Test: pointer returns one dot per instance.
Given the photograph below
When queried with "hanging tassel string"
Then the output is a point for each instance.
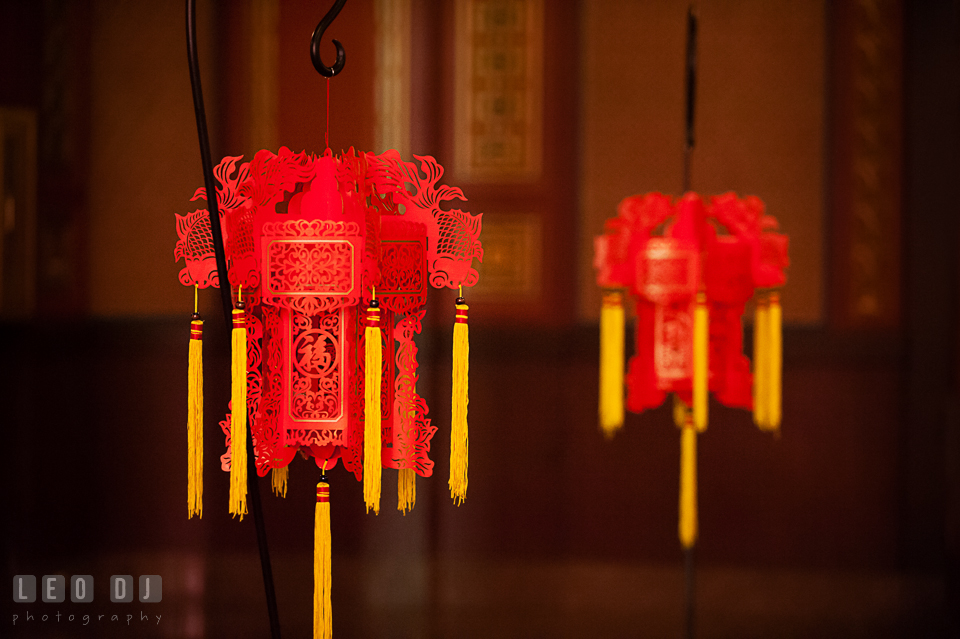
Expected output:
(611, 362)
(406, 490)
(195, 414)
(459, 436)
(687, 527)
(278, 480)
(681, 412)
(774, 363)
(322, 573)
(760, 366)
(238, 413)
(373, 362)
(701, 361)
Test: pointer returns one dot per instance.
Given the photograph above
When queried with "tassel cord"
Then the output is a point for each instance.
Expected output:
(774, 363)
(406, 490)
(322, 564)
(459, 430)
(238, 415)
(688, 486)
(195, 417)
(278, 480)
(701, 363)
(373, 363)
(760, 355)
(680, 411)
(612, 326)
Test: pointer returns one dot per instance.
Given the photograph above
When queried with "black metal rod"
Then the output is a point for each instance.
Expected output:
(253, 492)
(689, 592)
(689, 565)
(691, 87)
(253, 485)
(212, 208)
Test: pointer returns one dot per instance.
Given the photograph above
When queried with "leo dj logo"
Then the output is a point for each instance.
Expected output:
(53, 588)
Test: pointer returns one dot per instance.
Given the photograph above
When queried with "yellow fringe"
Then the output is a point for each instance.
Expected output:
(406, 490)
(701, 361)
(372, 466)
(238, 420)
(278, 478)
(760, 355)
(459, 439)
(681, 412)
(322, 573)
(611, 362)
(687, 527)
(195, 422)
(774, 363)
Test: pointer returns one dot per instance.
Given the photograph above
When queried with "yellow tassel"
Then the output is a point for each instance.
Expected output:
(688, 486)
(238, 415)
(372, 363)
(322, 574)
(278, 478)
(760, 355)
(459, 439)
(611, 362)
(406, 490)
(701, 361)
(774, 362)
(195, 419)
(681, 412)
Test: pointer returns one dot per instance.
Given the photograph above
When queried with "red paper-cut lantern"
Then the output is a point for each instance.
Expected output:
(310, 242)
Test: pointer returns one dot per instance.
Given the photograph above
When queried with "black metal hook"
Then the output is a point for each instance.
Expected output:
(325, 71)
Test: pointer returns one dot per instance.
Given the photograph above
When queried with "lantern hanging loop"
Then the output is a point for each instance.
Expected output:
(325, 71)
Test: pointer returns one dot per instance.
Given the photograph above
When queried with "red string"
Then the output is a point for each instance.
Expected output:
(326, 134)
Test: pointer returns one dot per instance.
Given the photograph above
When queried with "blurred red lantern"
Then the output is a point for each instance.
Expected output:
(691, 282)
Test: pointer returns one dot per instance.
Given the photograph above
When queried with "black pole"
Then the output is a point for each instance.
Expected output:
(253, 485)
(691, 90)
(689, 564)
(689, 592)
(253, 491)
(212, 209)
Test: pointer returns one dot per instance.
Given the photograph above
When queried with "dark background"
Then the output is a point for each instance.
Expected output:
(847, 525)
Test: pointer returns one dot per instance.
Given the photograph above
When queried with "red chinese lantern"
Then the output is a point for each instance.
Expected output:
(329, 260)
(691, 284)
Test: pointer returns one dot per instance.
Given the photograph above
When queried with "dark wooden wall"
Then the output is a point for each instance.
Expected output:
(863, 479)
